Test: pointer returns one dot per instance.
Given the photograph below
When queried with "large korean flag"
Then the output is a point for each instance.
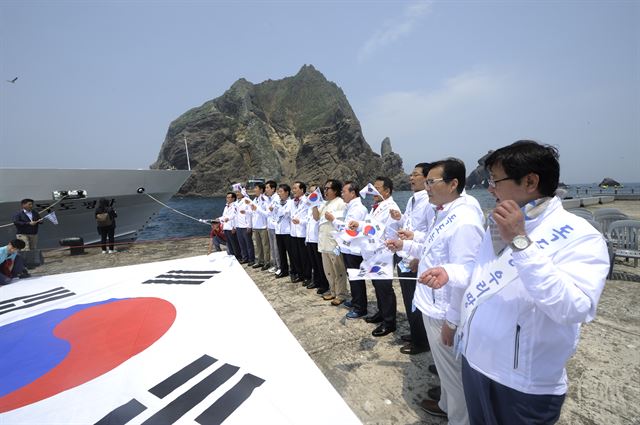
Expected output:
(182, 341)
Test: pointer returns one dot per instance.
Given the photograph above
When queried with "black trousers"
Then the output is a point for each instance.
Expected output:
(301, 258)
(233, 246)
(319, 278)
(491, 403)
(107, 232)
(358, 287)
(416, 324)
(284, 248)
(18, 267)
(386, 299)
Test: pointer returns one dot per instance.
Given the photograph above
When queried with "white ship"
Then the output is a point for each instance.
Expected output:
(76, 217)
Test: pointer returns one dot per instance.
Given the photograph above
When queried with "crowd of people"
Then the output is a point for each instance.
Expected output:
(498, 300)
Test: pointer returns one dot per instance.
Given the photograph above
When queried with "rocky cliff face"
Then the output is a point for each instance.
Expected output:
(297, 128)
(479, 177)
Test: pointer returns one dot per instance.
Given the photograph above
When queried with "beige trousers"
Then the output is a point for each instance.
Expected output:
(261, 243)
(31, 241)
(336, 274)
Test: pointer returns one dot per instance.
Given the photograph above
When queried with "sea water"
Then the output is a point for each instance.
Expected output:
(167, 224)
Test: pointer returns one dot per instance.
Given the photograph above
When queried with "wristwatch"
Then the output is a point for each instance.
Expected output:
(520, 242)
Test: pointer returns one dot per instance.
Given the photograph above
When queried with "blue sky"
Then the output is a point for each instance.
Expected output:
(100, 82)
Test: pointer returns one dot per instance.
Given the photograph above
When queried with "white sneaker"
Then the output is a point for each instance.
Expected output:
(112, 251)
(104, 252)
(272, 269)
(278, 271)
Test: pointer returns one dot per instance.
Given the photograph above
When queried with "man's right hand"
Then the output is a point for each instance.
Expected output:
(395, 214)
(435, 277)
(405, 234)
(394, 245)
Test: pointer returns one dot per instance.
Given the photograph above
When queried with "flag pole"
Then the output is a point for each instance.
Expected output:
(187, 150)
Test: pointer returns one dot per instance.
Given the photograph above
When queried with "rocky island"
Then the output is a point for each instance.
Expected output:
(296, 128)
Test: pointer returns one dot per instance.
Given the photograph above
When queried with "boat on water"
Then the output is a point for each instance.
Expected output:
(252, 182)
(74, 194)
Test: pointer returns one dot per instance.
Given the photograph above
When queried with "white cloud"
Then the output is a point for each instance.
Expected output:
(476, 111)
(448, 121)
(395, 29)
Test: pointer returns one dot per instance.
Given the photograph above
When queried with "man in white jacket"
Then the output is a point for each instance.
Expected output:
(453, 239)
(259, 224)
(538, 276)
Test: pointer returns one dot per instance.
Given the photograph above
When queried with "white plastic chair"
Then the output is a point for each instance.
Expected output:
(624, 236)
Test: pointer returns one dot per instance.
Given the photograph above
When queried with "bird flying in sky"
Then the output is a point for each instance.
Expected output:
(12, 81)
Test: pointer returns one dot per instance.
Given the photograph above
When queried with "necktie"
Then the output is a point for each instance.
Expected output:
(409, 214)
(375, 206)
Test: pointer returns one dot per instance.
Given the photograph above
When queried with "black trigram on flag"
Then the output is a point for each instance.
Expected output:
(215, 414)
(183, 277)
(27, 301)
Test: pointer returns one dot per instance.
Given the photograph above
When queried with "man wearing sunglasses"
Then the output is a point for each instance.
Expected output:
(537, 277)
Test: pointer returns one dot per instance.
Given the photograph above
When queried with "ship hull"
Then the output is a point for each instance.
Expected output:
(76, 217)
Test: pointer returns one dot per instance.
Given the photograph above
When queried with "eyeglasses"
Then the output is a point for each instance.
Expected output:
(431, 182)
(493, 182)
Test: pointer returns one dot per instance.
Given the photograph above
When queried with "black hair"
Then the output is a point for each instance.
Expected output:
(261, 186)
(336, 185)
(17, 243)
(233, 195)
(285, 187)
(301, 185)
(25, 200)
(272, 184)
(527, 156)
(452, 168)
(425, 167)
(353, 186)
(386, 183)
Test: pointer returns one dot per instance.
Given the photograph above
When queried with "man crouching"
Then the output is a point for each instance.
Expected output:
(11, 264)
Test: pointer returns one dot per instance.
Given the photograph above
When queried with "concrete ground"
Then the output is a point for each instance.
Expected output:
(383, 386)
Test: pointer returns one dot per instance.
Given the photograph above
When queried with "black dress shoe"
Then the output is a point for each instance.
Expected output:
(313, 285)
(432, 408)
(382, 330)
(295, 279)
(434, 393)
(376, 318)
(432, 369)
(250, 263)
(258, 266)
(306, 282)
(322, 290)
(265, 267)
(412, 349)
(279, 275)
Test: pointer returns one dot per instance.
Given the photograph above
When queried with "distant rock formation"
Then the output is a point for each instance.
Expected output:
(479, 177)
(609, 182)
(296, 128)
(392, 166)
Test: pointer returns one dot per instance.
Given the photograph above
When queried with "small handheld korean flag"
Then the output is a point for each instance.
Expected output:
(369, 189)
(374, 268)
(52, 217)
(315, 198)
